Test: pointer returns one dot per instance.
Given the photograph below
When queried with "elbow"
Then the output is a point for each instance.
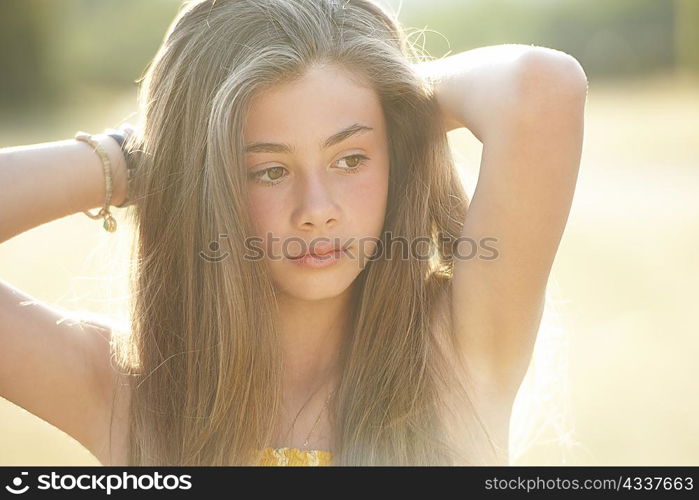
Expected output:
(575, 76)
(552, 72)
(550, 80)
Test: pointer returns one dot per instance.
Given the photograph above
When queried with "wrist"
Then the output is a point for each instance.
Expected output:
(118, 169)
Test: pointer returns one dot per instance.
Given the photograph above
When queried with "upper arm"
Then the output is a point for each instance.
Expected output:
(527, 178)
(49, 364)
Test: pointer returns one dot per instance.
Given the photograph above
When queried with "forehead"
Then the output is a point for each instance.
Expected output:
(325, 99)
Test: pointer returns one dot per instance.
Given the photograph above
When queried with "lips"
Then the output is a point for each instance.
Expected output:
(320, 249)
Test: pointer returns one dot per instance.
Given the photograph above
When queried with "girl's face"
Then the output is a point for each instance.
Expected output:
(317, 166)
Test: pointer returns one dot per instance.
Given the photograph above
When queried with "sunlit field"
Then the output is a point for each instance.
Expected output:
(618, 382)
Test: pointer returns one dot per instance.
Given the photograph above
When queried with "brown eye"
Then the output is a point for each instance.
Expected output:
(278, 171)
(353, 162)
(273, 174)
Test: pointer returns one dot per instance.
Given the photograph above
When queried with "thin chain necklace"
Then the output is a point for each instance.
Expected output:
(293, 423)
(327, 400)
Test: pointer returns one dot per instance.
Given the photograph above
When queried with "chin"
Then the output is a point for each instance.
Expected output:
(311, 295)
(315, 285)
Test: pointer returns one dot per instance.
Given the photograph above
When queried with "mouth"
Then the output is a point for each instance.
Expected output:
(320, 250)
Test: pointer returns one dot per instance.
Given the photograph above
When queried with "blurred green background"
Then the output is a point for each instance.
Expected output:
(615, 374)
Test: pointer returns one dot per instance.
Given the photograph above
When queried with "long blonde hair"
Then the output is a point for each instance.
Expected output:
(202, 358)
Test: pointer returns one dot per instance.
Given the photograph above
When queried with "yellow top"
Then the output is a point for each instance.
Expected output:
(294, 457)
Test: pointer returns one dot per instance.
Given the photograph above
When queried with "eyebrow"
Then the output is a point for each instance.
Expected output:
(272, 147)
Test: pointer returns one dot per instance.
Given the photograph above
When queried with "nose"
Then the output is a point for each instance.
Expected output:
(316, 208)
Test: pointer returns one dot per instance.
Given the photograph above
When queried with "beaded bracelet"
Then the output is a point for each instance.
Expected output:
(109, 223)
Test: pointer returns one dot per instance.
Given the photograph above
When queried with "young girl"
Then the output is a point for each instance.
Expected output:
(312, 285)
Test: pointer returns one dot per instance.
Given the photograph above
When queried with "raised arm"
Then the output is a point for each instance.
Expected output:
(526, 104)
(53, 363)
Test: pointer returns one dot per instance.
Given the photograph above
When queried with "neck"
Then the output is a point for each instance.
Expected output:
(312, 333)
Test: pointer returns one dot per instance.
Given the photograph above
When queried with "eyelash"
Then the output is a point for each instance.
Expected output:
(256, 176)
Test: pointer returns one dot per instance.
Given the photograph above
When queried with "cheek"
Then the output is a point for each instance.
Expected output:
(369, 211)
(370, 196)
(263, 213)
